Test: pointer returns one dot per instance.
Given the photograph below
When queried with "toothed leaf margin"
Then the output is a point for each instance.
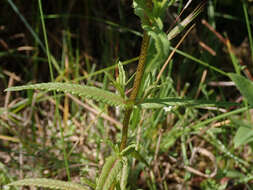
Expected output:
(76, 89)
(48, 183)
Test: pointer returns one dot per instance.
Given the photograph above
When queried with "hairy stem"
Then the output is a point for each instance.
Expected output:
(141, 66)
(137, 82)
(136, 86)
(125, 128)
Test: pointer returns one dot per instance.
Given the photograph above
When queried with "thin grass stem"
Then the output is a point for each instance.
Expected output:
(52, 78)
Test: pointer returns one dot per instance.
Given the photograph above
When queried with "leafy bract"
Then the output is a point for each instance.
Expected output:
(80, 90)
(159, 49)
(159, 7)
(152, 23)
(49, 183)
(148, 15)
(121, 80)
(139, 7)
(158, 52)
(244, 85)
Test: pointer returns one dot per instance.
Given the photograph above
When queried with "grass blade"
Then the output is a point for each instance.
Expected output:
(245, 11)
(28, 26)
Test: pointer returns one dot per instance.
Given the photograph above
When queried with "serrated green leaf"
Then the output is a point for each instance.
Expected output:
(139, 7)
(124, 174)
(111, 169)
(136, 117)
(122, 75)
(160, 7)
(166, 102)
(244, 85)
(129, 149)
(80, 90)
(120, 82)
(48, 183)
(158, 52)
(158, 10)
(159, 49)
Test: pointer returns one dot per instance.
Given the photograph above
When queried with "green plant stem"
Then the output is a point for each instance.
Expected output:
(136, 86)
(125, 128)
(137, 82)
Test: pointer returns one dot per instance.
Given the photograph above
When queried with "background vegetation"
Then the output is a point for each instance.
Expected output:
(185, 145)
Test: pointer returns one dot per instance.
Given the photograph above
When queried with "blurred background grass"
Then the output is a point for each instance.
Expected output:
(86, 36)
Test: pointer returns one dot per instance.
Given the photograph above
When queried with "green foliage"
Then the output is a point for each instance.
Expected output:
(244, 133)
(183, 24)
(168, 102)
(88, 182)
(159, 48)
(131, 150)
(139, 7)
(159, 8)
(169, 138)
(110, 171)
(5, 177)
(121, 80)
(157, 131)
(124, 174)
(210, 184)
(128, 150)
(80, 90)
(29, 27)
(150, 16)
(245, 86)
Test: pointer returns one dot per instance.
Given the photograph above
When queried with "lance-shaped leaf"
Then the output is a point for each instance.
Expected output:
(128, 150)
(80, 90)
(124, 174)
(111, 169)
(166, 102)
(49, 183)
